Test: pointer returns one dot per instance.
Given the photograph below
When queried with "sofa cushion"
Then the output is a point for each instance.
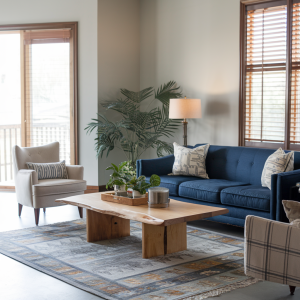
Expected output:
(250, 196)
(58, 186)
(172, 182)
(206, 189)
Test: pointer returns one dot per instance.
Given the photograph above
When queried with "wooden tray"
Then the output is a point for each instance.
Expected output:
(110, 197)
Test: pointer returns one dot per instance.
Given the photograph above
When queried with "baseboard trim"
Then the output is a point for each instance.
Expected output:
(4, 188)
(91, 189)
(95, 189)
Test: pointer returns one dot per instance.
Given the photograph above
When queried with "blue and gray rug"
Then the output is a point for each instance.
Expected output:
(115, 269)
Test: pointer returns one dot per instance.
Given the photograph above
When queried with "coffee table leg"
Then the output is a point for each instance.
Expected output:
(105, 227)
(161, 240)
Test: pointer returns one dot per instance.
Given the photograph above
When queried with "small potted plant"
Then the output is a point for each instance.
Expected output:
(120, 176)
(138, 186)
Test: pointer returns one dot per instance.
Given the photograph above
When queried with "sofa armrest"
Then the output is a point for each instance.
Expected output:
(75, 172)
(284, 183)
(266, 255)
(158, 166)
(24, 181)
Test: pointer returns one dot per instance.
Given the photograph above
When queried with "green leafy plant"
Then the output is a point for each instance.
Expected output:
(140, 184)
(121, 174)
(139, 128)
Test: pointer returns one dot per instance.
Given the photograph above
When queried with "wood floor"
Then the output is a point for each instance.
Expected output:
(19, 282)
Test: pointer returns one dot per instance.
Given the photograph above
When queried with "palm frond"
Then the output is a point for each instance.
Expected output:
(137, 97)
(163, 148)
(125, 107)
(168, 91)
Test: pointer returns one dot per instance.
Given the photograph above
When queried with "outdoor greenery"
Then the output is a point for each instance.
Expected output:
(139, 127)
(140, 184)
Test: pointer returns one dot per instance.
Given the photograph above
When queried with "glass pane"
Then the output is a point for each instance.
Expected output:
(50, 96)
(10, 101)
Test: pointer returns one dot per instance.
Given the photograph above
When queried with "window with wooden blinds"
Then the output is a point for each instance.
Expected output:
(270, 74)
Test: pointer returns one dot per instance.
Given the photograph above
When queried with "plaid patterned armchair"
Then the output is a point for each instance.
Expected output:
(272, 251)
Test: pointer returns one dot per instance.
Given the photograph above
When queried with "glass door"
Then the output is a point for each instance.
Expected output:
(37, 93)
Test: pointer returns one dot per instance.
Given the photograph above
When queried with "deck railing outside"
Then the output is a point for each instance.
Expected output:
(42, 134)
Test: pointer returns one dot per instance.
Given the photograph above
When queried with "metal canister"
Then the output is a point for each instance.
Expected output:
(158, 197)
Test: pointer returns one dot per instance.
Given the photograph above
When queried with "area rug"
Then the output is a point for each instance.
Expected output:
(115, 269)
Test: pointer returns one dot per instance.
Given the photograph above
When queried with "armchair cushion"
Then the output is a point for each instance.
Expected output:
(75, 172)
(55, 170)
(272, 251)
(58, 186)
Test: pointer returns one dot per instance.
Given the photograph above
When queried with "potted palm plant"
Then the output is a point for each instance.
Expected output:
(138, 186)
(138, 129)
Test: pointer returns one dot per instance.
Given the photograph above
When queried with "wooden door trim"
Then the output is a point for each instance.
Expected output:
(59, 25)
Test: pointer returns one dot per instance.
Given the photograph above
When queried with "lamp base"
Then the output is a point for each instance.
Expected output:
(184, 123)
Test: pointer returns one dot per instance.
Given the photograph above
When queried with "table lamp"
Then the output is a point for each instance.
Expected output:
(185, 109)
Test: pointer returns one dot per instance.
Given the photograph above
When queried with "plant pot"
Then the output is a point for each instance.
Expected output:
(136, 194)
(120, 190)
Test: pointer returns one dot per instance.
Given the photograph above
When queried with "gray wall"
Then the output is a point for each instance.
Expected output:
(195, 43)
(118, 60)
(144, 43)
(85, 12)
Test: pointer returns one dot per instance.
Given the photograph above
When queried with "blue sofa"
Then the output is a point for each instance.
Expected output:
(234, 182)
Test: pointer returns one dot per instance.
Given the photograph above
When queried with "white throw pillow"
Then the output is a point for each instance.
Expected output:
(190, 162)
(276, 163)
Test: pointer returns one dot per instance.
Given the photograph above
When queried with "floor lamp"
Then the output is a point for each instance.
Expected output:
(185, 109)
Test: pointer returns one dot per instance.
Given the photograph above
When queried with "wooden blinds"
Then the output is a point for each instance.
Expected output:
(270, 75)
(265, 74)
(295, 78)
(47, 36)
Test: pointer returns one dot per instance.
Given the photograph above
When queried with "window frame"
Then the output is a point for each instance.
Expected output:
(242, 78)
(74, 44)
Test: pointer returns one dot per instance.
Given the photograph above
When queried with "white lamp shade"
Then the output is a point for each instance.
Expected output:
(185, 109)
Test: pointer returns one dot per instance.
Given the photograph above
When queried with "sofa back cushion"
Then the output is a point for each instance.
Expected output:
(239, 163)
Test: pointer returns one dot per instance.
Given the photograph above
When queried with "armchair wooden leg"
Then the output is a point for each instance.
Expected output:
(44, 209)
(292, 289)
(20, 209)
(80, 209)
(37, 215)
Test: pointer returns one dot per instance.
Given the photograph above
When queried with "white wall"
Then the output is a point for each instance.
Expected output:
(195, 43)
(118, 60)
(85, 12)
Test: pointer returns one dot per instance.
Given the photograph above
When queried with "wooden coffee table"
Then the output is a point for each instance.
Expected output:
(164, 229)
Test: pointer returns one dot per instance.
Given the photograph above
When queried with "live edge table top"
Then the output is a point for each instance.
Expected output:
(177, 212)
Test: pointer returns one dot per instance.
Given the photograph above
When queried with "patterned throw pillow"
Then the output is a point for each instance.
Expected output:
(292, 209)
(55, 170)
(276, 163)
(190, 162)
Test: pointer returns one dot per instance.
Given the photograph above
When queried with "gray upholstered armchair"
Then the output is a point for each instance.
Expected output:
(43, 193)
